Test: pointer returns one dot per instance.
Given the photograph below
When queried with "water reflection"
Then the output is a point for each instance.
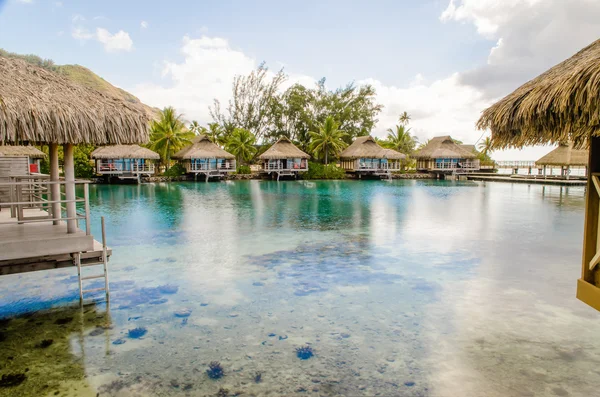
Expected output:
(411, 288)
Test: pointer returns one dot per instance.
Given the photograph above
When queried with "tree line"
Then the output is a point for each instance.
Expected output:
(319, 121)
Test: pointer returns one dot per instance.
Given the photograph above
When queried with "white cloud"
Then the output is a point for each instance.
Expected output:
(25, 1)
(81, 34)
(77, 18)
(119, 41)
(144, 24)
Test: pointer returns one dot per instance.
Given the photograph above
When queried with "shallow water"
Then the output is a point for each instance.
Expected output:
(412, 288)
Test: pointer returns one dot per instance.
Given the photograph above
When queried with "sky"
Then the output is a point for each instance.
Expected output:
(442, 61)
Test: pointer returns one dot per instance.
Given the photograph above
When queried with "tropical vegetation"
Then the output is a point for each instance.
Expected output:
(328, 140)
(168, 135)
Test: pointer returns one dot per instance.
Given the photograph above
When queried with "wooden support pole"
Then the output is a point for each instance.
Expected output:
(70, 188)
(54, 177)
(587, 286)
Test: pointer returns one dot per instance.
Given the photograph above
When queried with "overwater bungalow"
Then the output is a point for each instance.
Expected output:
(560, 105)
(442, 156)
(43, 107)
(284, 159)
(124, 161)
(365, 157)
(206, 158)
(24, 160)
(564, 156)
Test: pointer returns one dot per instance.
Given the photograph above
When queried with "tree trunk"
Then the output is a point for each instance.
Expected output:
(326, 150)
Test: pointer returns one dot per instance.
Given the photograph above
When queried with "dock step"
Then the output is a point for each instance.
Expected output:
(92, 277)
(85, 291)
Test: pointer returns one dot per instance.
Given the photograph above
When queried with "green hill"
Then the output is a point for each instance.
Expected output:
(83, 76)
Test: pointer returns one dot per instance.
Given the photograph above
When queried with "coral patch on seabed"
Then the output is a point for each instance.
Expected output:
(304, 352)
(215, 370)
(137, 333)
(10, 380)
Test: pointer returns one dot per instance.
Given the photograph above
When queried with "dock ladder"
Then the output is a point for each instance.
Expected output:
(102, 260)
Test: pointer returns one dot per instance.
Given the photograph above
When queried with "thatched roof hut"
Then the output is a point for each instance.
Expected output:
(565, 155)
(40, 106)
(443, 147)
(202, 148)
(21, 151)
(283, 149)
(124, 152)
(560, 105)
(469, 148)
(367, 147)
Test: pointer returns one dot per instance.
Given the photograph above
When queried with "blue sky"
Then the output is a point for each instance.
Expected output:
(443, 61)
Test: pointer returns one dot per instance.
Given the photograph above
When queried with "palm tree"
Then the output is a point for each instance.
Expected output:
(196, 128)
(404, 118)
(485, 147)
(329, 139)
(401, 140)
(422, 145)
(168, 135)
(216, 134)
(241, 144)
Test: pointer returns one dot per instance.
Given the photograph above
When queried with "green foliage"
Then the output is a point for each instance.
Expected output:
(458, 142)
(241, 145)
(401, 140)
(257, 106)
(176, 170)
(84, 166)
(322, 171)
(30, 58)
(328, 140)
(169, 135)
(243, 169)
(216, 134)
(196, 128)
(485, 147)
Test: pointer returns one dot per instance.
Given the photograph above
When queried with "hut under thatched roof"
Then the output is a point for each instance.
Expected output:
(565, 156)
(365, 156)
(206, 158)
(283, 149)
(41, 106)
(444, 147)
(283, 158)
(124, 152)
(21, 151)
(443, 155)
(202, 148)
(560, 105)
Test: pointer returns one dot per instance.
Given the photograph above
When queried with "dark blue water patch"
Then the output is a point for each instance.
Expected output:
(146, 295)
(34, 304)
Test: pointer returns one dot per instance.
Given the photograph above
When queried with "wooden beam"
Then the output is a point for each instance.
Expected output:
(591, 241)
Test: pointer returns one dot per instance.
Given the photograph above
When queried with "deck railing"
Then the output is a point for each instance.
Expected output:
(142, 168)
(33, 191)
(119, 168)
(224, 166)
(279, 167)
(389, 166)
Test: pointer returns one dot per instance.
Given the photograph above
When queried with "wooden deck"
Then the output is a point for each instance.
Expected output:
(524, 179)
(41, 245)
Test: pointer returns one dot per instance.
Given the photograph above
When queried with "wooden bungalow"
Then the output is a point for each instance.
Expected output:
(443, 156)
(43, 107)
(24, 160)
(206, 158)
(365, 157)
(564, 156)
(284, 159)
(561, 105)
(124, 161)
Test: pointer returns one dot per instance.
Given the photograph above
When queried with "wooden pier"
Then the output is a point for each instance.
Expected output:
(526, 179)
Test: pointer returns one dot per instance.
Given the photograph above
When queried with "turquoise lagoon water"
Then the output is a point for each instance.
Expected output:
(404, 288)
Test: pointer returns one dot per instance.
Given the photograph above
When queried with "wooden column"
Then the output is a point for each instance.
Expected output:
(587, 285)
(54, 177)
(70, 187)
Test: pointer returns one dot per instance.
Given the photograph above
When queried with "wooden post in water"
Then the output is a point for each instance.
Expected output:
(54, 177)
(587, 285)
(70, 188)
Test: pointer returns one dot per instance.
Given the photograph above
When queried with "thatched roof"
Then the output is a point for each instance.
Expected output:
(283, 149)
(21, 151)
(40, 106)
(124, 152)
(442, 147)
(202, 148)
(366, 147)
(560, 105)
(469, 148)
(565, 155)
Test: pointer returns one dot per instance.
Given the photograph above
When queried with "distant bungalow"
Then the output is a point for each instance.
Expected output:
(443, 156)
(205, 158)
(124, 161)
(284, 159)
(565, 157)
(366, 157)
(20, 160)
